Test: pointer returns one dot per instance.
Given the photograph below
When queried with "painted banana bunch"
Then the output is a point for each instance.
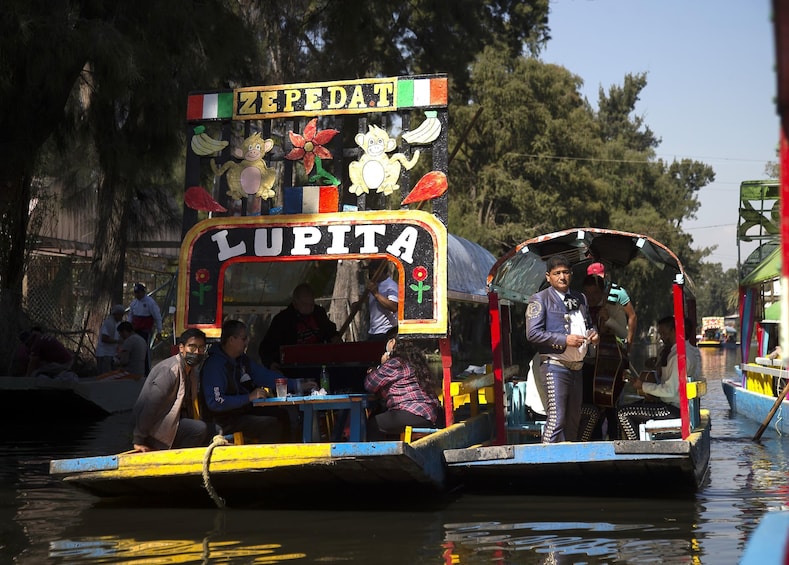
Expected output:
(427, 131)
(203, 144)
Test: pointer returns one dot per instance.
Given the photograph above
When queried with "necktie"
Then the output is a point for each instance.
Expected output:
(571, 303)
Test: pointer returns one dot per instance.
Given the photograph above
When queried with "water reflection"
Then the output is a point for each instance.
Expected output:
(601, 531)
(43, 520)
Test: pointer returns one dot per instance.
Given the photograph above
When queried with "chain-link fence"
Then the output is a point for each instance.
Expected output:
(58, 299)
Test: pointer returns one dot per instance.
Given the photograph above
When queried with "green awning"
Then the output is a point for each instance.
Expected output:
(767, 270)
(772, 313)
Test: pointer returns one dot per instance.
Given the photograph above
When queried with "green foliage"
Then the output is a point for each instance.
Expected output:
(715, 289)
(540, 159)
(98, 89)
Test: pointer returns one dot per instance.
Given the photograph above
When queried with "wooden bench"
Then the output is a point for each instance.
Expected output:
(658, 429)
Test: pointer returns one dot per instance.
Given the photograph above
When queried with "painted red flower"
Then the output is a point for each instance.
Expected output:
(420, 273)
(202, 276)
(310, 144)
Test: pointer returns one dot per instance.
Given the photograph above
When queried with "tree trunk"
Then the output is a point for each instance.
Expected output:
(346, 292)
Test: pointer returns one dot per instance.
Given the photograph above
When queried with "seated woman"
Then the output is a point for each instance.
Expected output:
(405, 382)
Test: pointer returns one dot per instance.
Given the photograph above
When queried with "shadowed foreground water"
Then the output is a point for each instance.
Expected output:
(46, 521)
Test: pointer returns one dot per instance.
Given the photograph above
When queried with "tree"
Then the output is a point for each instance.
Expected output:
(540, 159)
(714, 289)
(113, 77)
(313, 40)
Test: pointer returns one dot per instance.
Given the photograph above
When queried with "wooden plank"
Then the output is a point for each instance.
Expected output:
(471, 384)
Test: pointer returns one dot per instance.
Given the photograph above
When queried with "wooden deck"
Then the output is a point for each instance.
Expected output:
(640, 468)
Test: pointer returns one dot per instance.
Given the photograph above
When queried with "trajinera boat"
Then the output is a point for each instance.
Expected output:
(758, 391)
(242, 255)
(671, 456)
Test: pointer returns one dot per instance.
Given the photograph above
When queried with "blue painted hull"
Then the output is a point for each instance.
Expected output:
(769, 543)
(621, 468)
(756, 406)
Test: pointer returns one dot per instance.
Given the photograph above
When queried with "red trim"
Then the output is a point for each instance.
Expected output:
(438, 91)
(679, 325)
(444, 346)
(784, 202)
(194, 107)
(498, 383)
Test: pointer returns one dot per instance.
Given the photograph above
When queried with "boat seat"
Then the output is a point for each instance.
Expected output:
(410, 433)
(660, 429)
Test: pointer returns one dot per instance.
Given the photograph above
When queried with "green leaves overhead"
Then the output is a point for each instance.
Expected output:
(541, 159)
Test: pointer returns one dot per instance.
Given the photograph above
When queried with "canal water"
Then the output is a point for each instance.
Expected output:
(45, 521)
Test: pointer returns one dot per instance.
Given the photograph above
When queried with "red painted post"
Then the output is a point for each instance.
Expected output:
(444, 346)
(679, 324)
(498, 381)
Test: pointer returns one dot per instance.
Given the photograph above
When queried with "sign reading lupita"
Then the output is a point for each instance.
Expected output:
(414, 241)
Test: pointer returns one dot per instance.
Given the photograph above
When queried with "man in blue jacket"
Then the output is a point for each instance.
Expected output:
(231, 382)
(558, 323)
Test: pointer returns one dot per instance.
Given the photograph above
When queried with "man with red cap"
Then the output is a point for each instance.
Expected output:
(616, 295)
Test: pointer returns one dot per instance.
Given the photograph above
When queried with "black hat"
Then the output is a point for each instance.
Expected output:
(139, 287)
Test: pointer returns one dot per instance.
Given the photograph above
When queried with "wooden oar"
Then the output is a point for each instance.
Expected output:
(772, 412)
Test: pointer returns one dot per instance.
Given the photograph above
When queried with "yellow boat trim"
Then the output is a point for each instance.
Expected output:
(223, 459)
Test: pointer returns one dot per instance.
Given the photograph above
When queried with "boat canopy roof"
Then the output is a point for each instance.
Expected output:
(521, 272)
(468, 265)
(767, 270)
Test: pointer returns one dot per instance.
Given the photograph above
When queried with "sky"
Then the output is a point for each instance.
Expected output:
(710, 93)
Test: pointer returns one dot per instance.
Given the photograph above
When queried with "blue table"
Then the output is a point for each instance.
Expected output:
(356, 404)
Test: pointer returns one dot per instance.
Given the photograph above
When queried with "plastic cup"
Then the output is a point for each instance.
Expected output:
(282, 388)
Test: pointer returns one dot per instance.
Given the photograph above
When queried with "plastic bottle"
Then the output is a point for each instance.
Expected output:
(324, 378)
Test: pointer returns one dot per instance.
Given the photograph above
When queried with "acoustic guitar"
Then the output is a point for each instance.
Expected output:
(649, 377)
(610, 366)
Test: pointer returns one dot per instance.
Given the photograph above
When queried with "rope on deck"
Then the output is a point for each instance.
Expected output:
(217, 441)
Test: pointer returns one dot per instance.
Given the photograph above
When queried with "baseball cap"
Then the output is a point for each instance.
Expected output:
(596, 269)
(139, 287)
(118, 309)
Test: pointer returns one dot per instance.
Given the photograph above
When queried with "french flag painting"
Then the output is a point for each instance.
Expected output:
(311, 199)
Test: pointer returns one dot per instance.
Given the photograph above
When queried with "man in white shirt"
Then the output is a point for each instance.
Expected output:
(109, 339)
(665, 393)
(382, 301)
(144, 315)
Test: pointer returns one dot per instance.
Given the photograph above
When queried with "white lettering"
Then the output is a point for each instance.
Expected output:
(338, 239)
(225, 251)
(404, 245)
(368, 234)
(302, 237)
(266, 246)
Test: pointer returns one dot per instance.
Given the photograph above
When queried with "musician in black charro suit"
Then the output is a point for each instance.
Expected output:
(558, 323)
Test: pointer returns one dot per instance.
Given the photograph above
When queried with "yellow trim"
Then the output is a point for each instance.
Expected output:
(697, 389)
(223, 459)
(761, 383)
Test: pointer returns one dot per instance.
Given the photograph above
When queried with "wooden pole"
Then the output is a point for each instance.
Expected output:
(356, 306)
(772, 412)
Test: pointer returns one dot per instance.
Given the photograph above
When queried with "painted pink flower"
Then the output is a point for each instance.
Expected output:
(420, 273)
(310, 144)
